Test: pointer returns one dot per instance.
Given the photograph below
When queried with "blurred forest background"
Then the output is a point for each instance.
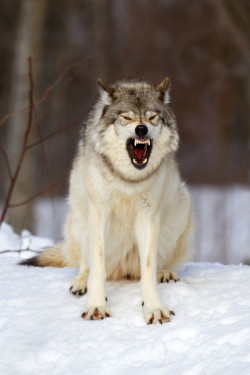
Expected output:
(201, 45)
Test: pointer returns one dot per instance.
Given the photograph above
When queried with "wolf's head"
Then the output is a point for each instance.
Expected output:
(134, 126)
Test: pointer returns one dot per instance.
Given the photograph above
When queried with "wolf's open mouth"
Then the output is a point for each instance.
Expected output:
(139, 151)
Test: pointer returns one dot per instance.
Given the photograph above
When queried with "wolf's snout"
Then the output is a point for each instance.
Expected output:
(141, 131)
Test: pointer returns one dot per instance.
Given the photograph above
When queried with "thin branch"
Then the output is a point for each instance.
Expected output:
(45, 159)
(48, 90)
(7, 162)
(13, 114)
(37, 194)
(30, 117)
(54, 133)
(235, 32)
(56, 96)
(29, 130)
(26, 137)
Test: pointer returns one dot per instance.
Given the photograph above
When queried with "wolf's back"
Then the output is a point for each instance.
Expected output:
(52, 257)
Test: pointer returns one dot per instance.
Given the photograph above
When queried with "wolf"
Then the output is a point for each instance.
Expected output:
(129, 211)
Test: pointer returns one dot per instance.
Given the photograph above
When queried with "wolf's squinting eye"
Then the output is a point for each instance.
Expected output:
(152, 117)
(126, 118)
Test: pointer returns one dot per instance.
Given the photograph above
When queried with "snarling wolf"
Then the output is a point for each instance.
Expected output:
(129, 211)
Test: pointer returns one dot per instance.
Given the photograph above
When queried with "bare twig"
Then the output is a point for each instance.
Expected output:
(54, 133)
(56, 96)
(48, 90)
(7, 162)
(30, 129)
(26, 137)
(45, 160)
(235, 32)
(13, 114)
(48, 188)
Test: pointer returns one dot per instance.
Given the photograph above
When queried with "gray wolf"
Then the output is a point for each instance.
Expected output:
(129, 211)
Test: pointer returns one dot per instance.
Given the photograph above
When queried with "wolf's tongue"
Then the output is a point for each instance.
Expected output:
(139, 153)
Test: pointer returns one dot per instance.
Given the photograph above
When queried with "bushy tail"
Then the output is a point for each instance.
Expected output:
(52, 257)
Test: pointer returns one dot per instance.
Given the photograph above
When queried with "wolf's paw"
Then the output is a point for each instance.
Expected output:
(161, 315)
(96, 313)
(164, 276)
(78, 286)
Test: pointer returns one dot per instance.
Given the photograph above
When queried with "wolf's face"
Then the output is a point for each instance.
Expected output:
(135, 127)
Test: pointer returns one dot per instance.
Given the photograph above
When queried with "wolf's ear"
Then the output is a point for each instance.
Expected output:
(106, 91)
(163, 88)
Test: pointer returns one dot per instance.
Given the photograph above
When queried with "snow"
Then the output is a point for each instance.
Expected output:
(41, 331)
(222, 222)
(9, 240)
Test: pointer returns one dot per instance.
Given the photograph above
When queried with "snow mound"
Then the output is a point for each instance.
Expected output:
(41, 331)
(10, 241)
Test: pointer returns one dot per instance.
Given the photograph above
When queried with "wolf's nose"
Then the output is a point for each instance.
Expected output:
(141, 131)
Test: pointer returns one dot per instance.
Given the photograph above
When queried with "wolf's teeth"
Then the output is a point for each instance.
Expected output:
(141, 142)
(144, 161)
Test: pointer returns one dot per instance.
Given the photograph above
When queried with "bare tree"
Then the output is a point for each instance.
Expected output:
(28, 43)
(33, 124)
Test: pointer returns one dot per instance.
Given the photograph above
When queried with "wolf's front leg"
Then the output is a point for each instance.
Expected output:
(147, 230)
(96, 305)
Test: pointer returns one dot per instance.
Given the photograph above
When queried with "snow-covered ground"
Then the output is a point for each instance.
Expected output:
(41, 331)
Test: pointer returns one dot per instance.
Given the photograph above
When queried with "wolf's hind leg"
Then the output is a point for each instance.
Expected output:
(78, 285)
(164, 276)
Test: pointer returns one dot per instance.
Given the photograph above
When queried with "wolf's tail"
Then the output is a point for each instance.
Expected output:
(52, 257)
